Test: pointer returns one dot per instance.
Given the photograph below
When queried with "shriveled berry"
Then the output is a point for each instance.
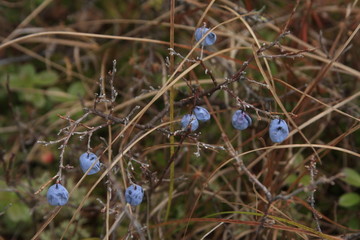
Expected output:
(57, 195)
(278, 130)
(189, 121)
(241, 120)
(86, 160)
(201, 114)
(134, 195)
(210, 39)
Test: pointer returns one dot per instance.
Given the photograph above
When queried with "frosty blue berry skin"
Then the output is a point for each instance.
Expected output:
(86, 160)
(134, 195)
(201, 114)
(189, 121)
(278, 130)
(241, 120)
(57, 195)
(209, 40)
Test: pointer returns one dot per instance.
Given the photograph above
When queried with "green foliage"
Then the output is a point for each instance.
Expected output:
(352, 177)
(305, 180)
(27, 77)
(60, 228)
(349, 200)
(157, 4)
(29, 83)
(76, 89)
(18, 212)
(40, 87)
(15, 210)
(354, 223)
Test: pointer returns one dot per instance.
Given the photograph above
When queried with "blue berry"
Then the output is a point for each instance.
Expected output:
(57, 195)
(134, 195)
(241, 120)
(189, 121)
(278, 130)
(201, 114)
(210, 38)
(86, 160)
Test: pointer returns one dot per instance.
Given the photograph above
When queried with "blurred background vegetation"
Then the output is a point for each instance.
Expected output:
(45, 78)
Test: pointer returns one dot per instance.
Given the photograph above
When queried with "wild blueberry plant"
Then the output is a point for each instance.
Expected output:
(241, 120)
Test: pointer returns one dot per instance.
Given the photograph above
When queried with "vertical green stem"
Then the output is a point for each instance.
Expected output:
(172, 96)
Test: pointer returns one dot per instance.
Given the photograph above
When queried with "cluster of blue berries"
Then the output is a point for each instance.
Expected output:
(240, 120)
(57, 194)
(278, 130)
(191, 121)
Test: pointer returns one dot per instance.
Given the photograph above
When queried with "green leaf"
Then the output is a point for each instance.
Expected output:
(299, 158)
(76, 89)
(290, 179)
(27, 70)
(6, 197)
(45, 78)
(26, 76)
(57, 95)
(352, 177)
(18, 212)
(35, 98)
(305, 180)
(354, 223)
(349, 199)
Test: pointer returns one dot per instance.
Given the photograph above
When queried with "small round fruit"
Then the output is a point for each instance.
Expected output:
(241, 120)
(134, 195)
(47, 157)
(86, 160)
(189, 121)
(278, 130)
(210, 39)
(57, 195)
(201, 114)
